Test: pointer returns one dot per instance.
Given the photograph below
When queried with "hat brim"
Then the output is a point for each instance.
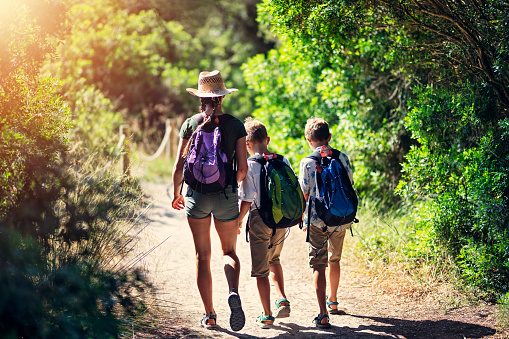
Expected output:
(210, 94)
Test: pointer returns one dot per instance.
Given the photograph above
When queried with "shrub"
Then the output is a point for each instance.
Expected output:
(78, 280)
(462, 164)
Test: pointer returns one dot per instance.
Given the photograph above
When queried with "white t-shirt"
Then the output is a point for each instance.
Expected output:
(250, 186)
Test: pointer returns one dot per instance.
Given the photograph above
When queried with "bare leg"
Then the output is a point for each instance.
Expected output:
(276, 273)
(320, 286)
(334, 276)
(264, 290)
(200, 229)
(227, 232)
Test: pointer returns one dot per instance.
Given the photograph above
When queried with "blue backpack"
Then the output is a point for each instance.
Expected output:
(337, 201)
(207, 169)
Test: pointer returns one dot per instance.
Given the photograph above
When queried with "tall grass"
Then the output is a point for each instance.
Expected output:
(73, 272)
(399, 256)
(503, 315)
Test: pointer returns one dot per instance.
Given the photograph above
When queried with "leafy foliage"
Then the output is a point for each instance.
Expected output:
(33, 120)
(354, 88)
(61, 244)
(142, 56)
(465, 169)
(436, 71)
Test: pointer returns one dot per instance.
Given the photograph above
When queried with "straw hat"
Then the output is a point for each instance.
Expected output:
(210, 84)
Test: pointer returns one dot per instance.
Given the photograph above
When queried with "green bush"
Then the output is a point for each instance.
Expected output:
(78, 279)
(462, 164)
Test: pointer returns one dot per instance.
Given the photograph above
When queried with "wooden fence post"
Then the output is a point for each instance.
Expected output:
(124, 130)
(170, 141)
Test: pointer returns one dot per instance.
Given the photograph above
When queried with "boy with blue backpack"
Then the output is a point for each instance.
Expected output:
(272, 195)
(327, 184)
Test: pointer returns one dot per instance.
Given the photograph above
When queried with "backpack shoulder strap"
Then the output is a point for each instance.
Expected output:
(258, 158)
(279, 157)
(335, 154)
(198, 117)
(315, 156)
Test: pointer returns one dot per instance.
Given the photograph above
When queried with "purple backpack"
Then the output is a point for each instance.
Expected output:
(207, 169)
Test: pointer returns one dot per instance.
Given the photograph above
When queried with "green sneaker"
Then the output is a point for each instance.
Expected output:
(264, 321)
(282, 308)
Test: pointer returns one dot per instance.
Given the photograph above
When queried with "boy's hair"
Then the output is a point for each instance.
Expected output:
(317, 129)
(256, 131)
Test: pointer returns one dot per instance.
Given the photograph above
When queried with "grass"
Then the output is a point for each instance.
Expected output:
(155, 171)
(503, 313)
(398, 257)
(401, 260)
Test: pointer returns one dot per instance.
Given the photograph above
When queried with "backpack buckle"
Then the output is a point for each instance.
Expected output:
(326, 151)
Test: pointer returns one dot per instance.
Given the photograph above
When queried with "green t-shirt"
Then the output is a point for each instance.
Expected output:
(233, 127)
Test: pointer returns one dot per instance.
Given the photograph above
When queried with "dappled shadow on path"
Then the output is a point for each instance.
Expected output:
(443, 328)
(380, 327)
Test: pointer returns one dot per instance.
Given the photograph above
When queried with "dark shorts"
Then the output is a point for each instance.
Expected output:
(223, 206)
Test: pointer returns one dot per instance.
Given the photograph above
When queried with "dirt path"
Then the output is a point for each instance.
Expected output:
(369, 314)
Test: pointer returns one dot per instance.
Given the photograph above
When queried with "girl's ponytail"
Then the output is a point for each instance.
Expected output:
(208, 120)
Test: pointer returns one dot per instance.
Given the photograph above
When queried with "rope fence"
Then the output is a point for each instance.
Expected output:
(164, 144)
(168, 144)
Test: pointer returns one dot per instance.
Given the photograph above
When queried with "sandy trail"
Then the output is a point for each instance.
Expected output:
(369, 314)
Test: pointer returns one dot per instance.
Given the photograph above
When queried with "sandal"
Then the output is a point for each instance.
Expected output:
(204, 321)
(318, 321)
(237, 317)
(264, 321)
(334, 310)
(282, 311)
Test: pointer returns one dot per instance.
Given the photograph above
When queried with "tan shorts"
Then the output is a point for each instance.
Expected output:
(260, 238)
(319, 246)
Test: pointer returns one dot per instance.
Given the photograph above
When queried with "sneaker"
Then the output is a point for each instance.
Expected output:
(282, 308)
(237, 317)
(264, 321)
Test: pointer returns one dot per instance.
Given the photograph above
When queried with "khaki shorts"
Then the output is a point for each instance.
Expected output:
(318, 238)
(260, 238)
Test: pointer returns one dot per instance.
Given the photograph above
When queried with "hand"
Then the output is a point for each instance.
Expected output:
(178, 202)
(240, 225)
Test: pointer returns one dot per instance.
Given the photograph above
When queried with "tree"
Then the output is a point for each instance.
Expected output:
(33, 120)
(440, 68)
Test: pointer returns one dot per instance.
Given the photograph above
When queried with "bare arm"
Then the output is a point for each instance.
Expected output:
(241, 151)
(306, 197)
(178, 176)
(244, 208)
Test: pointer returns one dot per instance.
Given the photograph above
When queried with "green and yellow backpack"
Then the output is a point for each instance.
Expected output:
(281, 199)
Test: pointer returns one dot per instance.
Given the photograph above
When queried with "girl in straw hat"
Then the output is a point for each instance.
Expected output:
(223, 207)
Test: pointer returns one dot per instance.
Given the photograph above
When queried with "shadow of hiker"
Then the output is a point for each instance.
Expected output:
(415, 329)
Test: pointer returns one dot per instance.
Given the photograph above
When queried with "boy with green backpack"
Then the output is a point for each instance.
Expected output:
(272, 195)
